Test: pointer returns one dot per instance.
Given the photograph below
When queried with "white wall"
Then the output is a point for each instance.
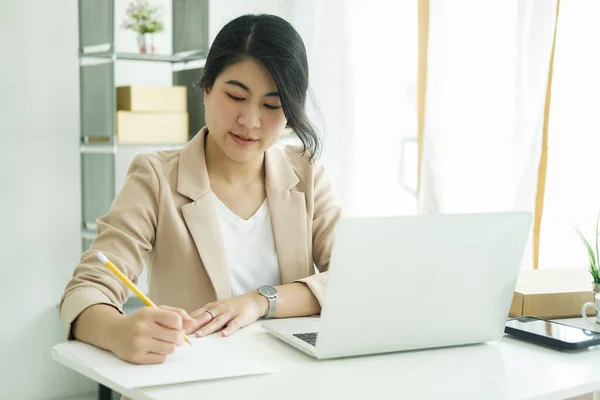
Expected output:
(221, 12)
(39, 192)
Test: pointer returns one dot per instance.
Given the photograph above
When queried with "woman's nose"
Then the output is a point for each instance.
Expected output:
(250, 117)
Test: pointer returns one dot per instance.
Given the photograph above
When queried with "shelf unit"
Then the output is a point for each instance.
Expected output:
(104, 161)
(196, 56)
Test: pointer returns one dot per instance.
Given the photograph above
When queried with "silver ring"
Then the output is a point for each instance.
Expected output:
(211, 314)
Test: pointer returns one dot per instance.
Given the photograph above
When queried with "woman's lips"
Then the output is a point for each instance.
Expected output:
(244, 141)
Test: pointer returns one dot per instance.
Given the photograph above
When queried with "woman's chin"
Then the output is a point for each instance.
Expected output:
(241, 155)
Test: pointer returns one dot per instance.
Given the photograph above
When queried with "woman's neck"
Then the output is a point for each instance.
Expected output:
(220, 166)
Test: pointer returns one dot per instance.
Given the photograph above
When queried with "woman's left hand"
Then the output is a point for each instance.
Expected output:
(233, 314)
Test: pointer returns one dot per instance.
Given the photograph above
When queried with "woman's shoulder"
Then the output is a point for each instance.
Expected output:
(309, 171)
(297, 157)
(159, 158)
(158, 163)
(164, 156)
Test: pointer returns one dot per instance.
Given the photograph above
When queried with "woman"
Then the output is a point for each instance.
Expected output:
(229, 213)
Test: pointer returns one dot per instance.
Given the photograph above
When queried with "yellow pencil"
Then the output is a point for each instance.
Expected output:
(130, 284)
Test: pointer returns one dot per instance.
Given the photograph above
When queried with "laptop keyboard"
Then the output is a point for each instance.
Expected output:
(310, 338)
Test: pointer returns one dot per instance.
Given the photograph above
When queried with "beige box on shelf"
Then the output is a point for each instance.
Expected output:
(152, 128)
(152, 98)
(552, 293)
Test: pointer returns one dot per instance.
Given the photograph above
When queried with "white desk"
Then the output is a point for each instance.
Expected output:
(506, 369)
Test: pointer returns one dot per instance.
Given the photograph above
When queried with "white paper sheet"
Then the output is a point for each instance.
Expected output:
(205, 359)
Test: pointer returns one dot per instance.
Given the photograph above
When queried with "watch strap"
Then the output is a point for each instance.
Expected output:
(270, 312)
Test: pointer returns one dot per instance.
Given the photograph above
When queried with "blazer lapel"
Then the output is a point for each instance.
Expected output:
(288, 216)
(287, 208)
(200, 215)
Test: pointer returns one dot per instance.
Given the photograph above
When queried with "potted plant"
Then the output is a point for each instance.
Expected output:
(593, 255)
(145, 20)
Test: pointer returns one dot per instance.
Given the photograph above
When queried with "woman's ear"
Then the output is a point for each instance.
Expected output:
(206, 92)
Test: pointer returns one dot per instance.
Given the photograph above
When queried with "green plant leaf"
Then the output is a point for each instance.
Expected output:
(591, 254)
(595, 274)
(144, 18)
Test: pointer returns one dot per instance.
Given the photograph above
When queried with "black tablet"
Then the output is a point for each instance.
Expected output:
(552, 334)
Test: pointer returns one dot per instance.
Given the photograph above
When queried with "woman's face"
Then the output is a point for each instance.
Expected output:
(243, 110)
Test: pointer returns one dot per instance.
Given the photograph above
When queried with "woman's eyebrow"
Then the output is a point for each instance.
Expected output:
(247, 89)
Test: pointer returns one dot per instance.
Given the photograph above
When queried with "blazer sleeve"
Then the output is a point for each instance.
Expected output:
(327, 211)
(125, 235)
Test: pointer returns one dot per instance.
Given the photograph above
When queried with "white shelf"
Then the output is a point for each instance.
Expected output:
(108, 148)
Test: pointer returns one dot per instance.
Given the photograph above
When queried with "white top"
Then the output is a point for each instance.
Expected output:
(249, 249)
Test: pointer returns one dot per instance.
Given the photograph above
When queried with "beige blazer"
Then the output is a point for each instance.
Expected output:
(165, 218)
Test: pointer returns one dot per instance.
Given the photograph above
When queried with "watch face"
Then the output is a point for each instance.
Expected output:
(268, 290)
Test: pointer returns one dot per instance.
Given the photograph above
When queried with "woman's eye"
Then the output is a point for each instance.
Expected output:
(270, 107)
(234, 98)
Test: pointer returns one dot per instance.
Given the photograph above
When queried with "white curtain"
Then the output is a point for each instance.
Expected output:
(488, 68)
(572, 184)
(325, 29)
(363, 71)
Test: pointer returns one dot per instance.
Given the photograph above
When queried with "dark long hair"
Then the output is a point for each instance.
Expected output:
(276, 43)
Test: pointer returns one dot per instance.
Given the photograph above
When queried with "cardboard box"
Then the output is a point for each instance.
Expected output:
(152, 128)
(152, 98)
(552, 293)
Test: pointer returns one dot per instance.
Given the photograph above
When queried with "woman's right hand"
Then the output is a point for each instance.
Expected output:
(149, 335)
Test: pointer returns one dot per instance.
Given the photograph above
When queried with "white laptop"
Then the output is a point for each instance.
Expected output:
(414, 282)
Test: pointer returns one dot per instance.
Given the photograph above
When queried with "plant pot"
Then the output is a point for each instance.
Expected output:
(146, 43)
(596, 288)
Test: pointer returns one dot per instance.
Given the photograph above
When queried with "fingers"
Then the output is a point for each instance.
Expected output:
(167, 318)
(202, 317)
(147, 350)
(206, 318)
(167, 335)
(233, 313)
(217, 323)
(200, 311)
(188, 323)
(149, 335)
(148, 358)
(159, 347)
(233, 326)
(184, 315)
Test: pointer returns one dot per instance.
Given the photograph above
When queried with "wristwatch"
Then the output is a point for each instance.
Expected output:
(271, 294)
